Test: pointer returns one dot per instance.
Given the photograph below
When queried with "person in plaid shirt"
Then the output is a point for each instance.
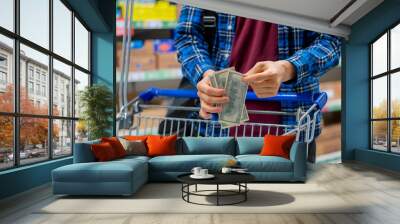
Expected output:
(274, 58)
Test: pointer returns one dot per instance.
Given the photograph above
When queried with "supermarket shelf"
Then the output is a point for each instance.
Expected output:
(155, 29)
(155, 75)
(333, 106)
(146, 34)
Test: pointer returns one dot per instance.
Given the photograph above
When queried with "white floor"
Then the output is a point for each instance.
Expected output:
(377, 189)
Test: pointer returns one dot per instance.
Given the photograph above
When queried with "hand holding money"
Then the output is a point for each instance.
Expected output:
(233, 112)
(211, 97)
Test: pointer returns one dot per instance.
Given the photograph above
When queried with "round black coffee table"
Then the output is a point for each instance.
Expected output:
(238, 179)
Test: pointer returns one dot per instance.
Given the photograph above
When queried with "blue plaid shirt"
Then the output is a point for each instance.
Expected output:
(311, 54)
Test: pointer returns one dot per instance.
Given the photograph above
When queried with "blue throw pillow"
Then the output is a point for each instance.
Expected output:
(249, 145)
(208, 145)
(83, 152)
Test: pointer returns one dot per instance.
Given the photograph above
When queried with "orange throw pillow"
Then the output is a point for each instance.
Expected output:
(103, 152)
(136, 138)
(116, 145)
(277, 145)
(161, 145)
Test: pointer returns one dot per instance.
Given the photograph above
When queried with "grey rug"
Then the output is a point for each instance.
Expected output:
(166, 198)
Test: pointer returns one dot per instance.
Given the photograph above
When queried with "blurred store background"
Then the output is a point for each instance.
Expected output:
(154, 62)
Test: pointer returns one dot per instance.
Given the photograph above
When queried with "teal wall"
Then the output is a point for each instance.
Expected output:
(24, 178)
(355, 85)
(99, 16)
(103, 61)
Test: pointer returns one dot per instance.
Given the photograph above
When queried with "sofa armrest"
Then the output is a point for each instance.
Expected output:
(298, 155)
(83, 152)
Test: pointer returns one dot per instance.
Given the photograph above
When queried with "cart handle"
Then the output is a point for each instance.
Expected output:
(319, 99)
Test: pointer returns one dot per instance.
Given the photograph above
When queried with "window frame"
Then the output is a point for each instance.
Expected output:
(388, 74)
(16, 114)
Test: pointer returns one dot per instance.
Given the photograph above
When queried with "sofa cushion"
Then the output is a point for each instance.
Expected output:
(116, 145)
(128, 159)
(103, 152)
(185, 163)
(112, 171)
(277, 145)
(257, 163)
(161, 145)
(208, 145)
(136, 137)
(83, 152)
(249, 145)
(134, 147)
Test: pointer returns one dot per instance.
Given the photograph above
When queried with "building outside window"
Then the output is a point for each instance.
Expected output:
(3, 81)
(38, 89)
(30, 72)
(3, 61)
(43, 90)
(37, 74)
(44, 77)
(30, 87)
(3, 78)
(385, 94)
(3, 72)
(56, 127)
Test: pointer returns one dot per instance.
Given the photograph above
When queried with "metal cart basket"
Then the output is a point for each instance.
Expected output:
(138, 122)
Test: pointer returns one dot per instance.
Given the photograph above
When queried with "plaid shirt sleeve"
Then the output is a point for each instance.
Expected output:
(322, 54)
(190, 44)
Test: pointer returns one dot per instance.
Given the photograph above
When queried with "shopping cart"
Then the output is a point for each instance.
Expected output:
(145, 123)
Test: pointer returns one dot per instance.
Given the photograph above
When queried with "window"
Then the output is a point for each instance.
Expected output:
(38, 89)
(3, 61)
(6, 73)
(385, 95)
(30, 72)
(6, 142)
(3, 81)
(34, 21)
(37, 74)
(7, 14)
(62, 29)
(3, 78)
(30, 87)
(62, 140)
(44, 91)
(46, 75)
(33, 148)
(62, 75)
(3, 72)
(81, 81)
(81, 45)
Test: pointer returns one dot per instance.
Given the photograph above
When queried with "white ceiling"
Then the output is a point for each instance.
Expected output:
(327, 16)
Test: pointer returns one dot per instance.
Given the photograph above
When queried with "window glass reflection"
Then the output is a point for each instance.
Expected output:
(62, 138)
(379, 56)
(34, 21)
(395, 47)
(379, 135)
(81, 82)
(34, 78)
(62, 29)
(81, 45)
(62, 89)
(7, 14)
(379, 98)
(6, 74)
(6, 142)
(34, 145)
